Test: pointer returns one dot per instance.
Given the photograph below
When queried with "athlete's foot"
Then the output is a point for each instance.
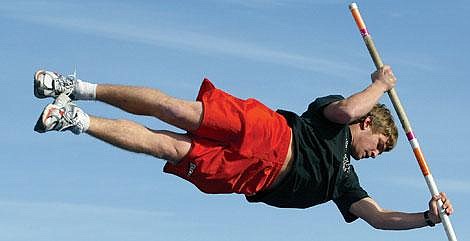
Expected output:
(62, 115)
(52, 84)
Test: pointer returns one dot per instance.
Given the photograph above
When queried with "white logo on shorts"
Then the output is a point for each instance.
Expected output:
(192, 167)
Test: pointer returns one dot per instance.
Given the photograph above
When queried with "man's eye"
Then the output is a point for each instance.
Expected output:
(380, 146)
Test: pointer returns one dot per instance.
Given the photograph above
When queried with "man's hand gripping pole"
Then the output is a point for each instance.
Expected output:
(404, 122)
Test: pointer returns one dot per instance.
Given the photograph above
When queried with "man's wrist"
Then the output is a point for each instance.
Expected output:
(427, 219)
(380, 85)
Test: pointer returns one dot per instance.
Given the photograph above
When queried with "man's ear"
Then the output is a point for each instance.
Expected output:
(366, 123)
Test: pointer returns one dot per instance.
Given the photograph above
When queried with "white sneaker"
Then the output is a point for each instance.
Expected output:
(52, 84)
(62, 115)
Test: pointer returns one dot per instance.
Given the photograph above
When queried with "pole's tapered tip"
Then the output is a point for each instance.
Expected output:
(352, 6)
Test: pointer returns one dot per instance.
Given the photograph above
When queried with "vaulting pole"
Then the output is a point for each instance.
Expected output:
(404, 122)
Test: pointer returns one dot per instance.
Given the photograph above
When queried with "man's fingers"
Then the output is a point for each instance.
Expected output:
(449, 210)
(443, 196)
(446, 204)
(387, 70)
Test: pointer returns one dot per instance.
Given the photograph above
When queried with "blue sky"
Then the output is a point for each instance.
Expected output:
(57, 186)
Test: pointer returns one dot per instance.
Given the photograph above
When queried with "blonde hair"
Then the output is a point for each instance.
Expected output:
(382, 122)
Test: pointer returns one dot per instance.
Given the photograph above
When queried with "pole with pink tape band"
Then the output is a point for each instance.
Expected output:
(404, 122)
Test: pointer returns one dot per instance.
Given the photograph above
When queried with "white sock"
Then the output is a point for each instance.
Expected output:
(84, 90)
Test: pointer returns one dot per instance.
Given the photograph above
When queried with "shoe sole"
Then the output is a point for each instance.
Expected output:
(37, 84)
(40, 127)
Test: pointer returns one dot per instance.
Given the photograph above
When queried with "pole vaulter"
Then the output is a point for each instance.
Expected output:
(404, 122)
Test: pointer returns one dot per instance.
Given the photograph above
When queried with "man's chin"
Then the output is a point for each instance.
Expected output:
(355, 157)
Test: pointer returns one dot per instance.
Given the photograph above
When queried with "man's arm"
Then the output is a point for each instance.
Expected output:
(379, 218)
(359, 104)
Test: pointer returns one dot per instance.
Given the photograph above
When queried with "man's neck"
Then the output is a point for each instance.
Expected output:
(354, 128)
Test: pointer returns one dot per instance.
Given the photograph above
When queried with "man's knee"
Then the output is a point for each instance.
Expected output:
(187, 114)
(171, 146)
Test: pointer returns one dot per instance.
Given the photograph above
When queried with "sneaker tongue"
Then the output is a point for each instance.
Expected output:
(62, 100)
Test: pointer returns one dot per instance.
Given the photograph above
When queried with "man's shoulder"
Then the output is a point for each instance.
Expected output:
(321, 102)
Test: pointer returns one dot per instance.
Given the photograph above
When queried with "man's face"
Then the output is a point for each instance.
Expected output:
(367, 144)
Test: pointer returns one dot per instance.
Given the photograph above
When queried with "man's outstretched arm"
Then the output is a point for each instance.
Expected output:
(379, 218)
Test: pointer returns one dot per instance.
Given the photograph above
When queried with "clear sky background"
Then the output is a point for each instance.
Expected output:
(57, 186)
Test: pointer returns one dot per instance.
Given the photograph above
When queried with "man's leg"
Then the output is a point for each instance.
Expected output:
(63, 115)
(152, 102)
(137, 100)
(134, 137)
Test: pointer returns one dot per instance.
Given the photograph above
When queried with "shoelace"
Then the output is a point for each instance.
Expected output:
(71, 117)
(64, 84)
